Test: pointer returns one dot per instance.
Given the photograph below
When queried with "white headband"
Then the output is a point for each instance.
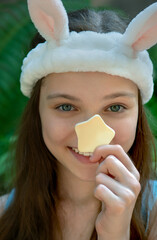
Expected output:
(118, 54)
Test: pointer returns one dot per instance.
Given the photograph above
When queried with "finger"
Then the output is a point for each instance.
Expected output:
(106, 196)
(114, 205)
(102, 152)
(127, 193)
(112, 167)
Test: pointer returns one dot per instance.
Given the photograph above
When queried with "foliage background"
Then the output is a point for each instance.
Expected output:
(16, 33)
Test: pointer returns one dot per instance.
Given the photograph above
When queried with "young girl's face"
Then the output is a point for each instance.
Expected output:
(70, 98)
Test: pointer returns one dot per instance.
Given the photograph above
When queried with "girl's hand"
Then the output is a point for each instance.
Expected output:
(117, 187)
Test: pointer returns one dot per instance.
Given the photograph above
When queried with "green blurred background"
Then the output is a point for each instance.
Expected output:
(16, 33)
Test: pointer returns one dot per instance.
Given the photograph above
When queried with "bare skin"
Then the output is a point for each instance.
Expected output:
(110, 182)
(102, 193)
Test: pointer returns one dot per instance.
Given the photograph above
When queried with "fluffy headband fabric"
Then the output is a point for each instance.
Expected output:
(118, 54)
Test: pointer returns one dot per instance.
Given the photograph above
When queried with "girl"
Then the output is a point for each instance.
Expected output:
(100, 67)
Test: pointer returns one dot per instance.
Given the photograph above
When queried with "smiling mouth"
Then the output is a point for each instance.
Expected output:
(82, 153)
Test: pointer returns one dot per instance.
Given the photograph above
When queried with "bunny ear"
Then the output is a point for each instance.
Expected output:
(141, 33)
(50, 18)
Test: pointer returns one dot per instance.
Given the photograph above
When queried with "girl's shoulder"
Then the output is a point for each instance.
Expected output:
(152, 229)
(153, 186)
(8, 199)
(149, 199)
(3, 201)
(151, 191)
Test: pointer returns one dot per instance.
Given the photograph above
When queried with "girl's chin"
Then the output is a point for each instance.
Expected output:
(86, 175)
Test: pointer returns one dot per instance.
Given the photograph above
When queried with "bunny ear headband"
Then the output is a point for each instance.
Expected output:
(114, 53)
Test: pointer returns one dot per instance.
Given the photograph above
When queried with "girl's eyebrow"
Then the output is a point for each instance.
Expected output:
(110, 96)
(120, 94)
(62, 95)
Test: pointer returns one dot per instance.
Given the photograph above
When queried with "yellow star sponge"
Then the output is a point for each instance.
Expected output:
(93, 133)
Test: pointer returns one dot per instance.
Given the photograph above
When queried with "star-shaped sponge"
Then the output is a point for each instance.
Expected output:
(93, 133)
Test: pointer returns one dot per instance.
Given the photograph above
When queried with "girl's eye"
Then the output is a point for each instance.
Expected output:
(66, 107)
(116, 108)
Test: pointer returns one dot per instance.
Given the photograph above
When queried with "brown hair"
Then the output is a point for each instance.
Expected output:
(32, 214)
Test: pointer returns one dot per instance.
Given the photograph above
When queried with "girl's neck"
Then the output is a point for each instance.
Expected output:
(77, 206)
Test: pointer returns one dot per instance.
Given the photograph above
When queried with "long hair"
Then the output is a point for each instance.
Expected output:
(32, 214)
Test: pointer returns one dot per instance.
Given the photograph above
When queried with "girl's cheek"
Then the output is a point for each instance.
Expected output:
(125, 135)
(56, 130)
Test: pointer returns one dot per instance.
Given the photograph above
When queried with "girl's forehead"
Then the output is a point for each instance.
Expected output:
(87, 85)
(90, 79)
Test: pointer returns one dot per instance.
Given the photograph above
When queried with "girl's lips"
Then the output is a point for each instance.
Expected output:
(81, 158)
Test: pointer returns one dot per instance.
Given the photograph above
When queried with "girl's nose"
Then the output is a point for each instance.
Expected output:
(87, 116)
